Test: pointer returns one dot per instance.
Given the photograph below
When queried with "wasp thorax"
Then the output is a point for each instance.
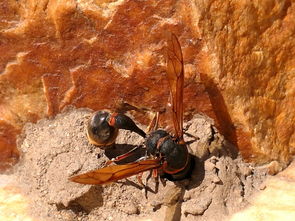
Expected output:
(178, 162)
(99, 132)
(153, 139)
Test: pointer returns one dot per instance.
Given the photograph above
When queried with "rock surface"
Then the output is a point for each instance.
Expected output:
(239, 65)
(221, 183)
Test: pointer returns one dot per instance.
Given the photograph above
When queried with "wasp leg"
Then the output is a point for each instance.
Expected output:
(156, 178)
(163, 181)
(146, 187)
(154, 123)
(155, 173)
(123, 156)
(139, 179)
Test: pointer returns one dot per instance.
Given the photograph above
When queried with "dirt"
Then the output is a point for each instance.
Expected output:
(55, 149)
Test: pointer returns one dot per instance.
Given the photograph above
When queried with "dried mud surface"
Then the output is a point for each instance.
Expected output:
(54, 149)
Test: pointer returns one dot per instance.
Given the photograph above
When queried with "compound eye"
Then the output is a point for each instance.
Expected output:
(99, 132)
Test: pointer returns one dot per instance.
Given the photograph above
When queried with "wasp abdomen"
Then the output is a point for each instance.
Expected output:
(99, 132)
(121, 121)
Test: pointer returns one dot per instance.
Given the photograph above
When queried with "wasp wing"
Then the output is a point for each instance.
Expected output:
(175, 75)
(115, 172)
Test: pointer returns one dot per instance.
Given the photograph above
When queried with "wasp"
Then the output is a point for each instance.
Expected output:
(166, 155)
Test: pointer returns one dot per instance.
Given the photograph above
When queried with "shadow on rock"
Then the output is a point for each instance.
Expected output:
(119, 149)
(87, 202)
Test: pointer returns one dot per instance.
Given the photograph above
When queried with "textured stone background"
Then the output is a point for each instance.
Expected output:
(239, 64)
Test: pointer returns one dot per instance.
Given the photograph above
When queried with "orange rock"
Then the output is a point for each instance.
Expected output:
(9, 153)
(252, 61)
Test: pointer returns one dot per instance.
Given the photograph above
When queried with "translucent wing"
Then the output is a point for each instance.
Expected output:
(115, 172)
(175, 77)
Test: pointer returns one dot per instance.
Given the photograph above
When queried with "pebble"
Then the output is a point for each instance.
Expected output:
(209, 166)
(246, 170)
(216, 180)
(198, 208)
(131, 209)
